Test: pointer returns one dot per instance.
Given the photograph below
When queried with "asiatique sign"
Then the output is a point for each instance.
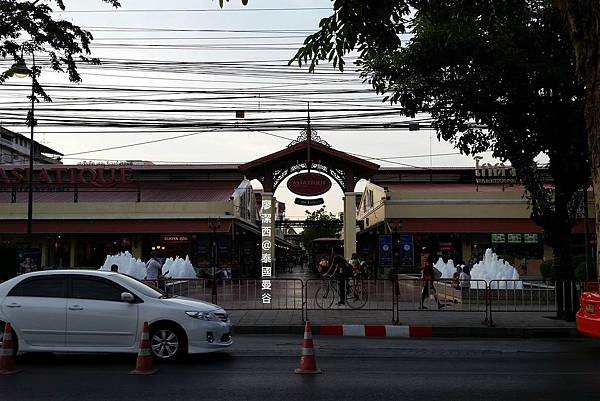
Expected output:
(309, 184)
(100, 177)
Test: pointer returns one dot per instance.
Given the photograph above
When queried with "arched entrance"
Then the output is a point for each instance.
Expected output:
(307, 153)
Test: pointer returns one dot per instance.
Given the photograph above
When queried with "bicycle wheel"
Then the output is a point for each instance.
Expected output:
(324, 296)
(357, 296)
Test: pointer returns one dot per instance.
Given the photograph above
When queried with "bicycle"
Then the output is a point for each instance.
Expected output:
(356, 294)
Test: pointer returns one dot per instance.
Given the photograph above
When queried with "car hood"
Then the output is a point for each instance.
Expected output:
(190, 304)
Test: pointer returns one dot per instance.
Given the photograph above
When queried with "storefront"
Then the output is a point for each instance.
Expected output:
(83, 213)
(450, 213)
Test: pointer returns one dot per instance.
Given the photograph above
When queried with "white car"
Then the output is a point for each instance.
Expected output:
(97, 311)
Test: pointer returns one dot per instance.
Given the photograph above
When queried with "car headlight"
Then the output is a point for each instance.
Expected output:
(201, 315)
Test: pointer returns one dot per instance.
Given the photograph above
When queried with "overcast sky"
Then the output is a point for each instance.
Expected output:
(259, 82)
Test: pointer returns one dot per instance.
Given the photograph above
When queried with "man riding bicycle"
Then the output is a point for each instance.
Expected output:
(341, 270)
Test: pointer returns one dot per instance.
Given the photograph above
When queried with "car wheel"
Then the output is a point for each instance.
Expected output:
(167, 343)
(14, 338)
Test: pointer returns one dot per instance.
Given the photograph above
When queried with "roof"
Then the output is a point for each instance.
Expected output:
(208, 191)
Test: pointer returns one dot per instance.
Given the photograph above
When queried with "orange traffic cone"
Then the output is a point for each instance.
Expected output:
(144, 360)
(7, 353)
(308, 362)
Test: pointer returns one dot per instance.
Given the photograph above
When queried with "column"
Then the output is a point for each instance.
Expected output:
(72, 251)
(349, 224)
(137, 243)
(44, 261)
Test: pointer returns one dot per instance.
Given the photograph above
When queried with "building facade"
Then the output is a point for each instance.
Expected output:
(407, 215)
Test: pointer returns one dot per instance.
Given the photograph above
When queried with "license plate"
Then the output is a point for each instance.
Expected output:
(589, 308)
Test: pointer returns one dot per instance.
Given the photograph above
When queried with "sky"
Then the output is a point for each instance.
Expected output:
(183, 67)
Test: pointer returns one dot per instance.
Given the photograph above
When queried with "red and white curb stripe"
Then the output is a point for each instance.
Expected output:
(375, 330)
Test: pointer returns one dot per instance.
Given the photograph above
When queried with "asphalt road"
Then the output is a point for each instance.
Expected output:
(261, 368)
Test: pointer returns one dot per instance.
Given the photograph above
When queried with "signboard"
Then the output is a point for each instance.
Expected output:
(446, 246)
(309, 202)
(385, 250)
(514, 238)
(498, 173)
(175, 238)
(530, 238)
(407, 256)
(309, 184)
(498, 238)
(266, 250)
(100, 177)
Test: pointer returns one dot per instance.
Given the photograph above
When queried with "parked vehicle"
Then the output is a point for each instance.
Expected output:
(588, 316)
(98, 311)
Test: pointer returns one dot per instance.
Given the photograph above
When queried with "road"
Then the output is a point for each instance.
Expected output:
(261, 368)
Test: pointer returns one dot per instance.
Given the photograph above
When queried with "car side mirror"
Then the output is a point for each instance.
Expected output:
(127, 297)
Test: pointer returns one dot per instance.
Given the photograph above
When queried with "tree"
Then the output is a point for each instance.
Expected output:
(582, 18)
(28, 27)
(494, 75)
(320, 224)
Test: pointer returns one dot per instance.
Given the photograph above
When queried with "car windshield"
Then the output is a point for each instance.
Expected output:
(145, 289)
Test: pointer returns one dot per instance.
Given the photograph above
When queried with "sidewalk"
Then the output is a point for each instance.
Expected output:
(441, 324)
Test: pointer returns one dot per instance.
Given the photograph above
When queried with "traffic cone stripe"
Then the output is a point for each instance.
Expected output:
(5, 352)
(144, 352)
(308, 351)
(307, 335)
(7, 336)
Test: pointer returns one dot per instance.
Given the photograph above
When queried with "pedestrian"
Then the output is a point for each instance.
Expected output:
(465, 278)
(114, 268)
(428, 277)
(290, 265)
(456, 276)
(153, 267)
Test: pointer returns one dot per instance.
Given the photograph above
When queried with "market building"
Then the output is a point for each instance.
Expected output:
(211, 213)
(408, 214)
(84, 212)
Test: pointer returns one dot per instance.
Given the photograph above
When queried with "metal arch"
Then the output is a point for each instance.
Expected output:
(314, 137)
(338, 175)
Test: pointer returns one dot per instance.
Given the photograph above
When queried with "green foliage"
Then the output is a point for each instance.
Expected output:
(30, 27)
(494, 75)
(323, 230)
(547, 271)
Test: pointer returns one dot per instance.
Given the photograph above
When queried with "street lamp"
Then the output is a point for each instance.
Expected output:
(214, 225)
(21, 70)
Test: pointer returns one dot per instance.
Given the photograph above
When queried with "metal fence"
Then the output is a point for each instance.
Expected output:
(349, 294)
(393, 296)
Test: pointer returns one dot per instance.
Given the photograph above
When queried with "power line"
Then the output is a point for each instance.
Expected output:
(193, 10)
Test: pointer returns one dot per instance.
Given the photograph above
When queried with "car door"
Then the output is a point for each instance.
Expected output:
(36, 307)
(96, 316)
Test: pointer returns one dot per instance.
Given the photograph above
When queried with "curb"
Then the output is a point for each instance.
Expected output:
(412, 331)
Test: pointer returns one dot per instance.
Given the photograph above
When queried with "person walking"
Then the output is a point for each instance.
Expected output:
(465, 278)
(428, 277)
(153, 267)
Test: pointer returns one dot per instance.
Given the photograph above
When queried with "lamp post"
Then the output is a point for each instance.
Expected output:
(21, 71)
(214, 225)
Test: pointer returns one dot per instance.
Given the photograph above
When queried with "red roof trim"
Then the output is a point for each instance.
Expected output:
(158, 226)
(476, 226)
